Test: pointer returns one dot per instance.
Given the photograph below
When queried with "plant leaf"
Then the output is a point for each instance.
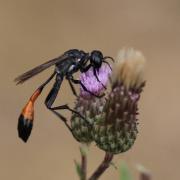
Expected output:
(124, 172)
(78, 169)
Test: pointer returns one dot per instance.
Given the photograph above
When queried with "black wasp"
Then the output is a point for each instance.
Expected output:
(66, 65)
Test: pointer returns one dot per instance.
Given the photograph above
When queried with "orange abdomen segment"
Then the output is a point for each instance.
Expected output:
(28, 111)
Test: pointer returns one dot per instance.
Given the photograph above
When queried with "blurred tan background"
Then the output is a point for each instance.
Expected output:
(33, 31)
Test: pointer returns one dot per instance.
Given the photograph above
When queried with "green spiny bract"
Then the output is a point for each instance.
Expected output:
(91, 109)
(116, 132)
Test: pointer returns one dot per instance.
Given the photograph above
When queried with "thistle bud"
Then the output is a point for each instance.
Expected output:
(116, 130)
(88, 105)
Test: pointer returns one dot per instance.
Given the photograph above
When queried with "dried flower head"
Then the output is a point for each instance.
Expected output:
(116, 129)
(88, 105)
(129, 68)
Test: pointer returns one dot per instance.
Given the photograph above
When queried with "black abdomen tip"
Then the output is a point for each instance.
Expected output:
(24, 128)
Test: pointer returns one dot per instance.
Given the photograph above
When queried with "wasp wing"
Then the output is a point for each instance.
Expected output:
(29, 74)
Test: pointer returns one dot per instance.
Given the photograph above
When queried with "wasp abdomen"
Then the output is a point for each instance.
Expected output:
(26, 118)
(24, 128)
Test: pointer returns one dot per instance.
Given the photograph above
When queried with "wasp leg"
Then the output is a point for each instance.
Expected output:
(72, 88)
(84, 87)
(51, 98)
(107, 64)
(25, 122)
(86, 68)
(62, 118)
(95, 74)
(68, 108)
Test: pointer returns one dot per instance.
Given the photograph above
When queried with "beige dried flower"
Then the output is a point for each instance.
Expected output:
(129, 68)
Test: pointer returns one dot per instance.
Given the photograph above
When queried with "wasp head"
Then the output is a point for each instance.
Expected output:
(96, 59)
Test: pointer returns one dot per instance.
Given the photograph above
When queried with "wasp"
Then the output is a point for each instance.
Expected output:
(66, 65)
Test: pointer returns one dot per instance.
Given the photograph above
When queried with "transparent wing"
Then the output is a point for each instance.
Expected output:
(29, 74)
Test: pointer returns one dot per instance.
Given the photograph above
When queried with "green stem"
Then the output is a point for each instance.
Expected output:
(102, 167)
(83, 166)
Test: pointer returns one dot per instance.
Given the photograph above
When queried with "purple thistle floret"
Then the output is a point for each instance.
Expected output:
(91, 83)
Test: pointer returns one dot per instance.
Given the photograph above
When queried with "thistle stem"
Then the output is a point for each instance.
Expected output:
(83, 166)
(102, 167)
(144, 176)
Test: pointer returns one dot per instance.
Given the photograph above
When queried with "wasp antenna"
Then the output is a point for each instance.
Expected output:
(107, 64)
(108, 57)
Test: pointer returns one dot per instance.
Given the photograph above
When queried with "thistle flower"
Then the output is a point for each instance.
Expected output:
(88, 105)
(116, 129)
(90, 81)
